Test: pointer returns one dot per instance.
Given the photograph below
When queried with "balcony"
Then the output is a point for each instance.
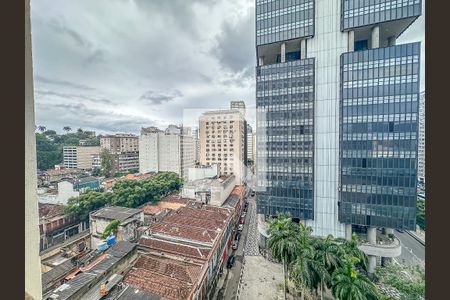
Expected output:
(385, 246)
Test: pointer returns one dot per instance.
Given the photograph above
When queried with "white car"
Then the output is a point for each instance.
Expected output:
(234, 246)
(241, 227)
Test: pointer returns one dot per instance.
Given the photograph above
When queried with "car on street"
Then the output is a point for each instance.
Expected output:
(241, 227)
(243, 214)
(246, 204)
(400, 230)
(230, 262)
(252, 194)
(237, 237)
(234, 246)
(242, 221)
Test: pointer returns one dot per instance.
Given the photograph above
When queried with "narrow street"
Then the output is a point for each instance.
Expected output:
(412, 251)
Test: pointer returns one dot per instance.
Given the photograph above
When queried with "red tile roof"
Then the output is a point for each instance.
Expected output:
(178, 249)
(238, 190)
(165, 277)
(48, 210)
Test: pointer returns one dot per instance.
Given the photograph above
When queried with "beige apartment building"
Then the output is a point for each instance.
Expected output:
(222, 141)
(124, 149)
(80, 157)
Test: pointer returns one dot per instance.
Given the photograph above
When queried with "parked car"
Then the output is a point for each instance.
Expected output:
(234, 246)
(252, 194)
(237, 237)
(241, 227)
(400, 230)
(243, 214)
(246, 204)
(242, 221)
(230, 262)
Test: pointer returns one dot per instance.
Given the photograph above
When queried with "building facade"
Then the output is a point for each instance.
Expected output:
(238, 105)
(222, 141)
(124, 149)
(250, 143)
(170, 150)
(337, 115)
(421, 166)
(81, 157)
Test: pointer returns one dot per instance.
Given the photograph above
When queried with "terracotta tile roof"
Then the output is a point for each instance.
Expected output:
(238, 190)
(48, 210)
(165, 277)
(152, 209)
(175, 198)
(183, 231)
(182, 250)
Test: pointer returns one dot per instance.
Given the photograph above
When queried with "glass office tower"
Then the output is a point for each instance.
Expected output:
(337, 104)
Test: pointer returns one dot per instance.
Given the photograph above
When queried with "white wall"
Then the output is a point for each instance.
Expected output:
(32, 260)
(326, 46)
(148, 153)
(204, 172)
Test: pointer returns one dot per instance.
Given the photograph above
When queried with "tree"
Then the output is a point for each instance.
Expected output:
(351, 249)
(106, 161)
(111, 227)
(408, 280)
(79, 130)
(42, 128)
(283, 241)
(349, 284)
(420, 216)
(67, 129)
(96, 172)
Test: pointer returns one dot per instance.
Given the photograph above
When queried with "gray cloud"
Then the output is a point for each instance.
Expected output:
(235, 43)
(73, 96)
(60, 27)
(153, 97)
(42, 79)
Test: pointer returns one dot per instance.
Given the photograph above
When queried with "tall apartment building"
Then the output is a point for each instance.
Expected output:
(421, 166)
(238, 105)
(250, 143)
(337, 113)
(81, 157)
(222, 141)
(124, 149)
(167, 150)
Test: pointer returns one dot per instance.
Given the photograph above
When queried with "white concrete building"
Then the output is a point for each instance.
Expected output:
(202, 172)
(250, 143)
(161, 151)
(61, 196)
(421, 153)
(130, 219)
(81, 157)
(210, 191)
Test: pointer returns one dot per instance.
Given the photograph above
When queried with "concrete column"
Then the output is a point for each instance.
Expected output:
(372, 264)
(376, 37)
(303, 49)
(372, 235)
(283, 52)
(348, 232)
(391, 41)
(351, 41)
(389, 230)
(261, 61)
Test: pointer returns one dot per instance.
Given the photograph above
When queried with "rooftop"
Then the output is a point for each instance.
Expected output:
(56, 273)
(131, 292)
(170, 278)
(208, 182)
(173, 201)
(116, 213)
(48, 210)
(182, 250)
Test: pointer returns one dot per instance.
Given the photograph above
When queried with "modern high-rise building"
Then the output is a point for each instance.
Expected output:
(421, 166)
(81, 157)
(167, 150)
(337, 113)
(222, 141)
(250, 143)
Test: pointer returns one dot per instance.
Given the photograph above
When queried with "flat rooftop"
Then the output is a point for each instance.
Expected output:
(116, 213)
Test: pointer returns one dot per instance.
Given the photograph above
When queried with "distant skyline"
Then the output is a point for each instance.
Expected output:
(119, 65)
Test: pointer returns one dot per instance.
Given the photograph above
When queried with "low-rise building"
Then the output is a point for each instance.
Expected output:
(196, 237)
(80, 157)
(202, 172)
(68, 188)
(130, 219)
(210, 191)
(124, 149)
(154, 212)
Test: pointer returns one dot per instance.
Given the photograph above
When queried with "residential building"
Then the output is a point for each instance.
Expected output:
(197, 234)
(68, 188)
(124, 149)
(337, 114)
(421, 166)
(54, 176)
(222, 142)
(130, 219)
(161, 151)
(154, 212)
(33, 286)
(81, 157)
(238, 105)
(210, 191)
(202, 172)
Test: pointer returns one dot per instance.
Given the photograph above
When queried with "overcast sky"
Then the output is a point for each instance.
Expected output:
(119, 65)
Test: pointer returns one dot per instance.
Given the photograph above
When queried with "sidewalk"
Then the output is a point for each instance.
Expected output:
(418, 235)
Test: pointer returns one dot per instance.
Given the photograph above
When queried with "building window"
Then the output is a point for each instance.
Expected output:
(361, 45)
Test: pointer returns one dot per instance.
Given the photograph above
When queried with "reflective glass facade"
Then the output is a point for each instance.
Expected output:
(378, 136)
(279, 20)
(285, 130)
(356, 13)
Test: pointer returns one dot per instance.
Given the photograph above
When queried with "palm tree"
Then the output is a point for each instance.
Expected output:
(67, 128)
(351, 249)
(349, 284)
(283, 242)
(329, 255)
(42, 128)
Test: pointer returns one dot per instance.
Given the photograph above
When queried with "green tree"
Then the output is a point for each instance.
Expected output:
(351, 249)
(111, 227)
(349, 284)
(408, 280)
(420, 216)
(106, 161)
(96, 172)
(42, 128)
(67, 129)
(283, 241)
